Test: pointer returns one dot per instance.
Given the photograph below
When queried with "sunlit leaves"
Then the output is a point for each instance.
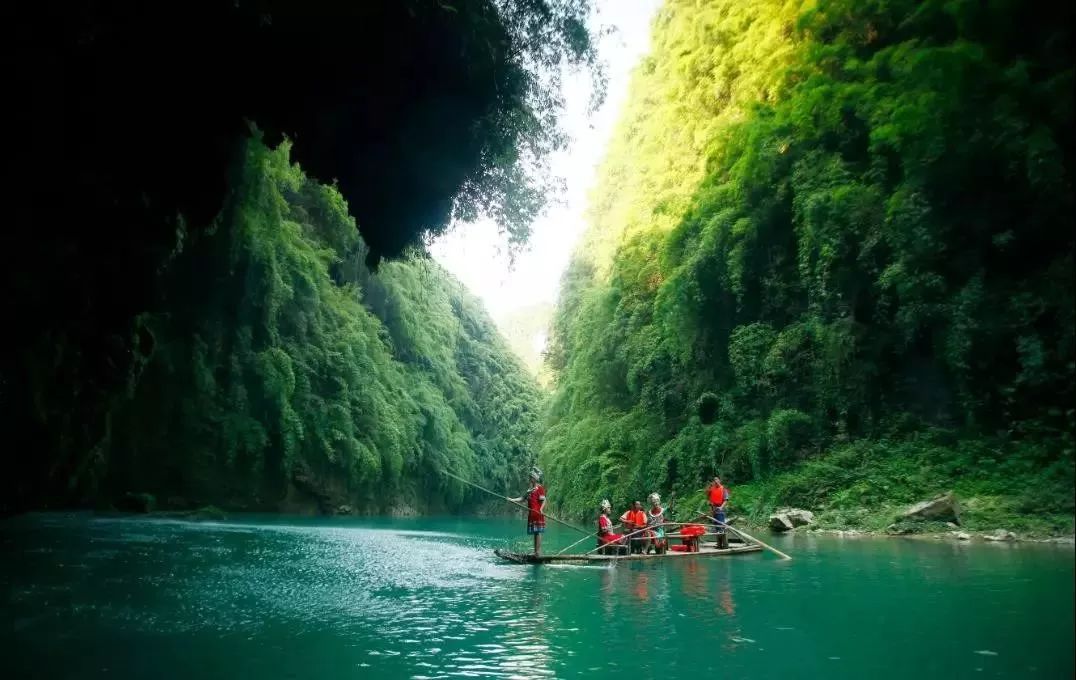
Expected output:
(849, 228)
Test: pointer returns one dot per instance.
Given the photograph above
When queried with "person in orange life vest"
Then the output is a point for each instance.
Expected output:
(634, 520)
(719, 496)
(606, 537)
(535, 500)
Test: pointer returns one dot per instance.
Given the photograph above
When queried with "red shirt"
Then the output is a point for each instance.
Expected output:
(718, 494)
(535, 498)
(605, 531)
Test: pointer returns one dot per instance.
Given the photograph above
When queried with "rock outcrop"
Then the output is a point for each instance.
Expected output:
(1000, 535)
(779, 522)
(787, 519)
(328, 494)
(944, 508)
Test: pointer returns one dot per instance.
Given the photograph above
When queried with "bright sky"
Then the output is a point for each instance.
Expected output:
(475, 253)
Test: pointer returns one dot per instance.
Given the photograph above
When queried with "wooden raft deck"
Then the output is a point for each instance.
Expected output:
(704, 551)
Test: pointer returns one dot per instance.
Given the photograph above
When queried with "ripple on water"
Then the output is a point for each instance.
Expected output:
(434, 603)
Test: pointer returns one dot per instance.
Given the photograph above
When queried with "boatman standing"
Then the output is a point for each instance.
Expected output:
(719, 496)
(535, 500)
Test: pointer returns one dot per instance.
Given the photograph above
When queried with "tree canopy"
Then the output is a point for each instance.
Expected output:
(285, 374)
(130, 120)
(820, 224)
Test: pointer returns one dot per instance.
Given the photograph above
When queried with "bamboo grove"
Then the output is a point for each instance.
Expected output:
(286, 375)
(830, 256)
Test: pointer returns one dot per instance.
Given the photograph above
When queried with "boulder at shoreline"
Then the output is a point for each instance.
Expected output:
(944, 508)
(787, 519)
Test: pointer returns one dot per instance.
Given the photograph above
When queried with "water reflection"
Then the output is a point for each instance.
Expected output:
(341, 601)
(725, 599)
(694, 579)
(525, 637)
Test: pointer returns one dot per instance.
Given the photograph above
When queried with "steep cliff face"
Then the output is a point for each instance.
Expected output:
(287, 375)
(829, 228)
(130, 118)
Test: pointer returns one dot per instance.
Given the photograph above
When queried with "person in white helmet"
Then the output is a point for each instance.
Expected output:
(607, 539)
(655, 519)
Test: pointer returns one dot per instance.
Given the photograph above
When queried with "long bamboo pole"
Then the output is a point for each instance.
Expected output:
(747, 536)
(506, 498)
(564, 550)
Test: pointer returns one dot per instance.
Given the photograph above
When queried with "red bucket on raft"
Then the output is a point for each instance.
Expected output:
(690, 536)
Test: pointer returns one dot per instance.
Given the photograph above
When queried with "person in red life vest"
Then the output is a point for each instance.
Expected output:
(719, 496)
(609, 541)
(535, 500)
(633, 520)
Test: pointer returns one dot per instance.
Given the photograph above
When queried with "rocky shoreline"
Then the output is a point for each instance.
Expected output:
(938, 518)
(956, 536)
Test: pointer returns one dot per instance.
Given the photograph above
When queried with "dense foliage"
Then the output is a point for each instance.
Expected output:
(129, 117)
(526, 330)
(825, 231)
(285, 374)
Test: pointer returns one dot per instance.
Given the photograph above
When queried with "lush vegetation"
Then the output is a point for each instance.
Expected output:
(526, 329)
(127, 135)
(831, 257)
(285, 374)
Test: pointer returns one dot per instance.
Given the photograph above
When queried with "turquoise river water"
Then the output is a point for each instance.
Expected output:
(95, 597)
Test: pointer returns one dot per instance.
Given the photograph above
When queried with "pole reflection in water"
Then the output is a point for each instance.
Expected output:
(527, 633)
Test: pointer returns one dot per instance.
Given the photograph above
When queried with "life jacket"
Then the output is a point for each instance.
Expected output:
(636, 517)
(718, 495)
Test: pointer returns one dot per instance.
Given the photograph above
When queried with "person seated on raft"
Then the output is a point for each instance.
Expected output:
(609, 542)
(656, 519)
(634, 521)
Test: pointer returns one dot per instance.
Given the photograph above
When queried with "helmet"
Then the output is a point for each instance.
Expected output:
(653, 499)
(605, 504)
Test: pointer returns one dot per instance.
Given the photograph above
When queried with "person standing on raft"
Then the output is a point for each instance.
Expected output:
(719, 496)
(535, 500)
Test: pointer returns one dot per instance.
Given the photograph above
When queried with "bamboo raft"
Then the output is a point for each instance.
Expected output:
(755, 545)
(704, 551)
